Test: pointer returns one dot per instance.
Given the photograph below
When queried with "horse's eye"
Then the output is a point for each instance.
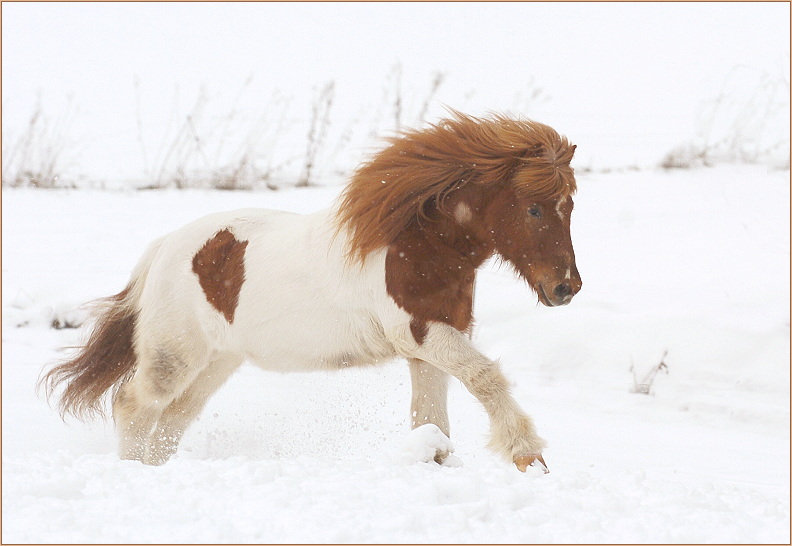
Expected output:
(536, 212)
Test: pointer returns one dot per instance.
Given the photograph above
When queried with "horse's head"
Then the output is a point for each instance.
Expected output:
(533, 234)
(507, 182)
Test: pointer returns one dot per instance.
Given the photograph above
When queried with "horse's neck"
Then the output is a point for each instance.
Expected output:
(462, 228)
(430, 270)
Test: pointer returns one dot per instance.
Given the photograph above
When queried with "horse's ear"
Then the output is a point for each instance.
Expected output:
(573, 148)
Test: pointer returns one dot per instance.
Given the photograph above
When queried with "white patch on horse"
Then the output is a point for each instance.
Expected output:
(462, 213)
(559, 204)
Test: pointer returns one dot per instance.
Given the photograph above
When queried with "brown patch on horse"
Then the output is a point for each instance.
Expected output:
(430, 271)
(105, 362)
(220, 267)
(421, 167)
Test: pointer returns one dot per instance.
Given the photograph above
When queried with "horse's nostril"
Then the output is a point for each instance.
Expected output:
(562, 290)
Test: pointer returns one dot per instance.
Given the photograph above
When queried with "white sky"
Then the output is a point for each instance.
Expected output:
(607, 70)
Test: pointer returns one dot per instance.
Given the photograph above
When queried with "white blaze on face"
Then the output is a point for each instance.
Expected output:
(462, 213)
(558, 207)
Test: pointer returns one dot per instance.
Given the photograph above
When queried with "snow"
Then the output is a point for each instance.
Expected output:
(692, 262)
(423, 443)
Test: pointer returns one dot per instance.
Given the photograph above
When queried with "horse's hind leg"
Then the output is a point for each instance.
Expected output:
(429, 398)
(174, 421)
(161, 375)
(134, 419)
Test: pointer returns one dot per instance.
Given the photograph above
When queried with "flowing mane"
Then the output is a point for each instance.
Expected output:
(420, 167)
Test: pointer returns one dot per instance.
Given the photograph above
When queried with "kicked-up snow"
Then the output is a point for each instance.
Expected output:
(690, 268)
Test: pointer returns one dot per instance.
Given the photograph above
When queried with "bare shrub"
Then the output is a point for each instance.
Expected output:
(228, 152)
(396, 76)
(684, 156)
(320, 121)
(35, 158)
(748, 122)
(437, 80)
(645, 385)
(528, 98)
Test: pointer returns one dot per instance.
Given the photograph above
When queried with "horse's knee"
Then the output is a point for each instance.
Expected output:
(166, 374)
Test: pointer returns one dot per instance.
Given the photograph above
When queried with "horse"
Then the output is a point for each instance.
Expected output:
(387, 272)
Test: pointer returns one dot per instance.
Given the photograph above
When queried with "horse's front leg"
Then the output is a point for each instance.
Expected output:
(513, 434)
(429, 399)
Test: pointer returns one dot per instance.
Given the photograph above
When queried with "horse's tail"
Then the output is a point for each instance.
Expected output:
(108, 359)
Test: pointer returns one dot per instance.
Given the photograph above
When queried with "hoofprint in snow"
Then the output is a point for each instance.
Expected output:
(695, 263)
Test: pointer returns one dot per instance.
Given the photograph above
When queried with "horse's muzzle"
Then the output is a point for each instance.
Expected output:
(561, 294)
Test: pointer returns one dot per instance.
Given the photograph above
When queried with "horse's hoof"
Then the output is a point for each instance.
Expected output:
(440, 456)
(525, 461)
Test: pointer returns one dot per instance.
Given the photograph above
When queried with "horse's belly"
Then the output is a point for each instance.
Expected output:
(308, 345)
(304, 317)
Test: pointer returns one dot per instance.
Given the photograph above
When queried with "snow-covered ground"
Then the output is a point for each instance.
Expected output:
(693, 262)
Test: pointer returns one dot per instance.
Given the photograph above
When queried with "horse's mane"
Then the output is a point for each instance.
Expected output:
(420, 167)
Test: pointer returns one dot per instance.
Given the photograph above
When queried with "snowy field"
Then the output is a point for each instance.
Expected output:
(692, 262)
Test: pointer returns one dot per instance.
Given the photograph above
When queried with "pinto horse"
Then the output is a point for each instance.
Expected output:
(388, 272)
